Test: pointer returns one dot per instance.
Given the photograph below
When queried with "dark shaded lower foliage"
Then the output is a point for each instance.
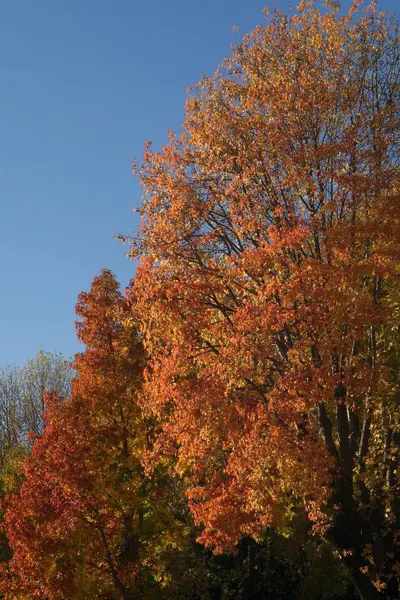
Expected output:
(278, 568)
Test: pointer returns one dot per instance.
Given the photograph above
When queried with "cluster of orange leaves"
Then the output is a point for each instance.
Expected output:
(269, 229)
(67, 525)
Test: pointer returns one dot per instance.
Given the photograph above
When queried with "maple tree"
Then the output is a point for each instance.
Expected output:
(267, 288)
(20, 407)
(82, 525)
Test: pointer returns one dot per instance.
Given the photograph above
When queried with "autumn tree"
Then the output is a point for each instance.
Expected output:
(267, 288)
(82, 525)
(21, 407)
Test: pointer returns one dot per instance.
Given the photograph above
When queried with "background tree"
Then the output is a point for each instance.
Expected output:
(47, 372)
(269, 249)
(21, 395)
(11, 410)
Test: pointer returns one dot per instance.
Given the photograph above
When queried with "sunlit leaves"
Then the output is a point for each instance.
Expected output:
(269, 240)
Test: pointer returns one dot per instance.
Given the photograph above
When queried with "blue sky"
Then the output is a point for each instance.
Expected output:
(83, 83)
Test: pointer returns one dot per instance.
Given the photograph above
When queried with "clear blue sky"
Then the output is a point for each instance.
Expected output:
(83, 83)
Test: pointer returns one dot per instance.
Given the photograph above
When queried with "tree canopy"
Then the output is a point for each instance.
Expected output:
(268, 278)
(234, 418)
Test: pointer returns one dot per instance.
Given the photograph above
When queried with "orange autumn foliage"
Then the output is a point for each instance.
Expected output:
(75, 526)
(268, 269)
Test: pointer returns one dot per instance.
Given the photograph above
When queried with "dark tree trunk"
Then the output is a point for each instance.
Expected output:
(250, 583)
(359, 519)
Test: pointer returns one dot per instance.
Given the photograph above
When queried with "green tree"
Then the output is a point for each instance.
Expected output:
(46, 372)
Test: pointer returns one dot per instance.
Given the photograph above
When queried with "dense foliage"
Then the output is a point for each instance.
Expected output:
(233, 426)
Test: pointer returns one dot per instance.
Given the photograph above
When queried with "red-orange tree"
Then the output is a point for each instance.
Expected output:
(267, 287)
(83, 524)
